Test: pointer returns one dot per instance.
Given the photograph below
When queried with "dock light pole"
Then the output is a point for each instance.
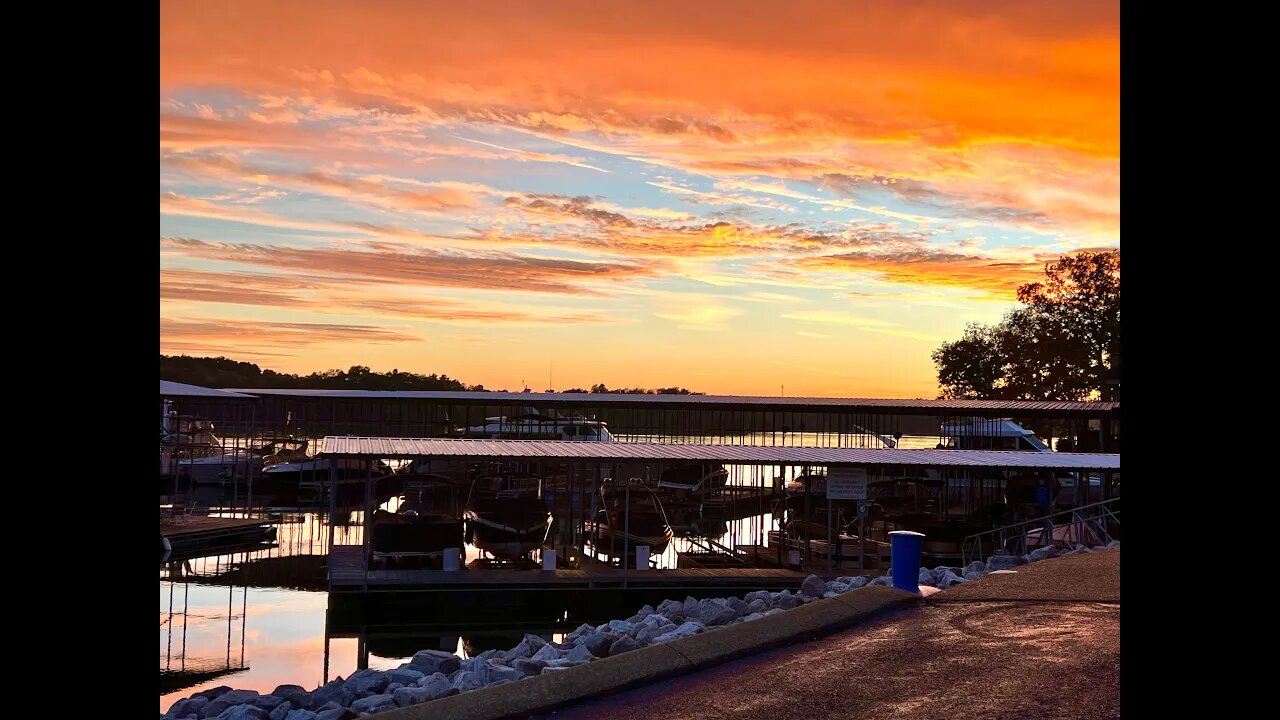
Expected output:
(906, 546)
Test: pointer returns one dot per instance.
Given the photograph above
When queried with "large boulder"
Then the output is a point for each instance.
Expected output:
(1044, 553)
(690, 607)
(374, 704)
(689, 628)
(535, 642)
(244, 712)
(712, 612)
(882, 580)
(581, 630)
(975, 566)
(622, 645)
(521, 651)
(190, 706)
(437, 685)
(295, 694)
(466, 680)
(670, 607)
(948, 580)
(337, 714)
(214, 693)
(226, 700)
(648, 633)
(405, 676)
(431, 661)
(836, 587)
(738, 604)
(785, 600)
(407, 696)
(1113, 545)
(1004, 562)
(267, 702)
(655, 620)
(812, 587)
(529, 666)
(368, 682)
(599, 643)
(644, 612)
(621, 626)
(924, 577)
(502, 673)
(547, 652)
(300, 714)
(334, 691)
(582, 654)
(281, 711)
(757, 605)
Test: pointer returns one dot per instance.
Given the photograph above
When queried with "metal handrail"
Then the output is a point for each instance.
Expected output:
(1091, 517)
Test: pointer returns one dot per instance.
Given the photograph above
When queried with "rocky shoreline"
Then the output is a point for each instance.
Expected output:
(432, 674)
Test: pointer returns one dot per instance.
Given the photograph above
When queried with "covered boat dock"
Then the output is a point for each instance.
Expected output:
(583, 465)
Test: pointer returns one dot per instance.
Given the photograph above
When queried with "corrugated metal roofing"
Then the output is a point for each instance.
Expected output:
(883, 405)
(177, 389)
(382, 447)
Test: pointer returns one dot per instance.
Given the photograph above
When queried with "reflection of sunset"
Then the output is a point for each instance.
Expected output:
(482, 193)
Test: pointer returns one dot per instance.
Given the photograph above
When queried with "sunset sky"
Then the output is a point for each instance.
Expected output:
(728, 196)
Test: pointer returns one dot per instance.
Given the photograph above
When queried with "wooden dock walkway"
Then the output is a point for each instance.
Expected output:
(347, 574)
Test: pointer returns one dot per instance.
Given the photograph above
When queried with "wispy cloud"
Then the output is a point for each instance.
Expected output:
(392, 264)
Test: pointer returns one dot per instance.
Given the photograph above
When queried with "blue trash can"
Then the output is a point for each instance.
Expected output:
(905, 546)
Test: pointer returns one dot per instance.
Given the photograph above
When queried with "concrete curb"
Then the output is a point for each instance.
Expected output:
(530, 696)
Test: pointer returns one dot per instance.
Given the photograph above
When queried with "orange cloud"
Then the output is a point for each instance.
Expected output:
(211, 331)
(391, 264)
(330, 295)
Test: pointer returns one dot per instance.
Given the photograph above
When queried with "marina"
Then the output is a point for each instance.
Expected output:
(393, 536)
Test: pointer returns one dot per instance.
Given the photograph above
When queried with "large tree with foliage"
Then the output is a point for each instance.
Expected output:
(1062, 344)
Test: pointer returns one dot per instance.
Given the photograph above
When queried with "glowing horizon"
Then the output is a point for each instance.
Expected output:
(729, 197)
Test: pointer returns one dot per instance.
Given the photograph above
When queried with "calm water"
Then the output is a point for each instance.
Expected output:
(256, 620)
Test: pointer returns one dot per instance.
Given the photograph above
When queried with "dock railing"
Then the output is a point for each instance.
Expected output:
(1084, 525)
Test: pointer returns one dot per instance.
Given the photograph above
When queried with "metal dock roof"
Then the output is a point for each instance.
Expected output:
(169, 388)
(1044, 408)
(382, 447)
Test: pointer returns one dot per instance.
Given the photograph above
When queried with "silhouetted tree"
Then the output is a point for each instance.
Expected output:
(1063, 344)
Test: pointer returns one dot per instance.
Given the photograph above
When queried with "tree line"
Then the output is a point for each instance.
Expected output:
(222, 372)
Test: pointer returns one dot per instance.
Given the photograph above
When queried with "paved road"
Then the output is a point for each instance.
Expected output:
(1041, 643)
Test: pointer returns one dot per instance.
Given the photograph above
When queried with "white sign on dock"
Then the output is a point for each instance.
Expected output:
(847, 483)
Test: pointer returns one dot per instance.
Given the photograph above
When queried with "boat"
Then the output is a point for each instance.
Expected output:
(315, 472)
(630, 522)
(506, 515)
(1005, 434)
(233, 463)
(408, 532)
(533, 425)
(693, 479)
